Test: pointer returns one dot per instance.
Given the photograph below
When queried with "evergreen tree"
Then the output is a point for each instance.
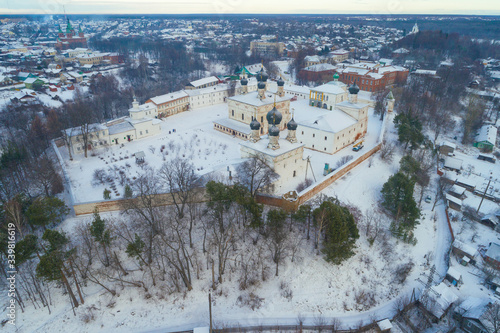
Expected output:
(304, 214)
(101, 234)
(26, 249)
(340, 231)
(46, 211)
(397, 198)
(409, 130)
(52, 265)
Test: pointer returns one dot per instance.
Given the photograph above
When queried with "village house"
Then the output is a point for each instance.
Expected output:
(486, 138)
(473, 315)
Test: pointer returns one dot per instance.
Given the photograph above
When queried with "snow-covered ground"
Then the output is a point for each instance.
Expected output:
(319, 289)
(194, 138)
(283, 66)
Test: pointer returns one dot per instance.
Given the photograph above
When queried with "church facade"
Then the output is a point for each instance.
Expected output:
(71, 39)
(246, 106)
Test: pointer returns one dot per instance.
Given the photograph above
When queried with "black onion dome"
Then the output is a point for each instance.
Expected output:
(261, 85)
(262, 76)
(281, 83)
(274, 131)
(244, 81)
(292, 125)
(254, 125)
(274, 117)
(354, 89)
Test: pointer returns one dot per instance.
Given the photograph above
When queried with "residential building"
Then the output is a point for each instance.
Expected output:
(171, 103)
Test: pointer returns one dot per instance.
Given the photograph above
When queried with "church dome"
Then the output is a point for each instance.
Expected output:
(254, 125)
(244, 81)
(292, 125)
(281, 83)
(262, 76)
(354, 89)
(336, 76)
(274, 117)
(274, 131)
(261, 85)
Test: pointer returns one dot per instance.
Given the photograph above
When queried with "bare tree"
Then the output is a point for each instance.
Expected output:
(277, 236)
(174, 248)
(387, 151)
(145, 207)
(255, 174)
(492, 317)
(180, 179)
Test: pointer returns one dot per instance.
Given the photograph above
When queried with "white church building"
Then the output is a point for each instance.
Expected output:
(140, 123)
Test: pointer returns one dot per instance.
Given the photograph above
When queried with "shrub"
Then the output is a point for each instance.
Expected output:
(107, 194)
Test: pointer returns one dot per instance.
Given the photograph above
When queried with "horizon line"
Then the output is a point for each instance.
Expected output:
(321, 14)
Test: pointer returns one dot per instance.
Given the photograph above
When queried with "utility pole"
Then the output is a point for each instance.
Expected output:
(210, 309)
(484, 193)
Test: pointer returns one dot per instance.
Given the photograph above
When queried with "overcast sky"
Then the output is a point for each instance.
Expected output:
(479, 7)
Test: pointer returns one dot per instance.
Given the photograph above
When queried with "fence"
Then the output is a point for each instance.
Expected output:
(311, 191)
(161, 199)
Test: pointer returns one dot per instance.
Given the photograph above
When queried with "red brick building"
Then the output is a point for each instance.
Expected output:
(319, 72)
(372, 78)
(70, 39)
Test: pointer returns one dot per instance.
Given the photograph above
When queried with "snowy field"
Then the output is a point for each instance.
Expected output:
(194, 138)
(362, 288)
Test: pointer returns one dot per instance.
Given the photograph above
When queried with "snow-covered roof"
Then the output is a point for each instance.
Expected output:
(261, 146)
(384, 325)
(471, 251)
(487, 133)
(313, 58)
(385, 61)
(474, 307)
(332, 121)
(298, 89)
(320, 68)
(443, 296)
(329, 89)
(30, 80)
(169, 97)
(206, 80)
(207, 90)
(252, 99)
(121, 127)
(453, 199)
(453, 163)
(425, 72)
(449, 144)
(339, 52)
(494, 252)
(457, 189)
(401, 51)
(70, 132)
(454, 273)
(235, 125)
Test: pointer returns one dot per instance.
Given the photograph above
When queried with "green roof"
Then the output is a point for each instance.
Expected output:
(69, 27)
